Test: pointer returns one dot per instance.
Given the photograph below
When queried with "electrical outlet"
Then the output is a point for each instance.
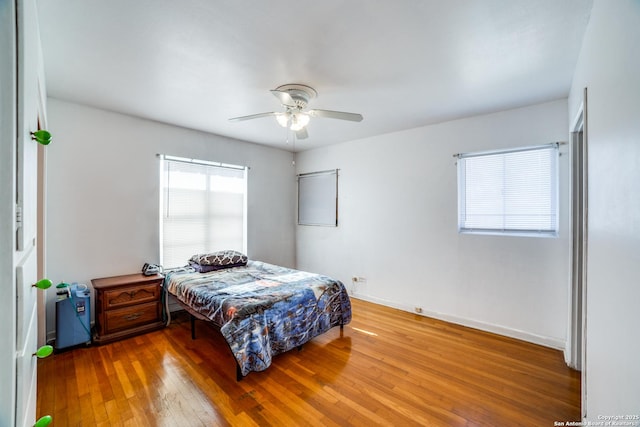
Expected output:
(358, 285)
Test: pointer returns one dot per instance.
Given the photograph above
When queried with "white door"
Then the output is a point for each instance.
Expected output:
(21, 111)
(8, 135)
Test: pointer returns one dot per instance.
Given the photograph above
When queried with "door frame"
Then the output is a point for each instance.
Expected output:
(579, 238)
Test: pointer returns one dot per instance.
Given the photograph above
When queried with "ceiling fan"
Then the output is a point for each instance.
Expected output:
(294, 98)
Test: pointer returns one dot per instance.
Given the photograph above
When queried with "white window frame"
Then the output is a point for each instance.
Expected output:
(239, 245)
(506, 217)
(318, 198)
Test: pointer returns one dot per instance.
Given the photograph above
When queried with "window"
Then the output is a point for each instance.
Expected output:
(202, 209)
(318, 198)
(509, 192)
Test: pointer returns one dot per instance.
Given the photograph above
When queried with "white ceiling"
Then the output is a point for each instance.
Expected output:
(400, 63)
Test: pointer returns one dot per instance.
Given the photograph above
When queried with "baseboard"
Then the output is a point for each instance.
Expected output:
(51, 337)
(471, 323)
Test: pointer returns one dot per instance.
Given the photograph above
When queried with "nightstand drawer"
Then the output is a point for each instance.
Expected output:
(116, 298)
(130, 317)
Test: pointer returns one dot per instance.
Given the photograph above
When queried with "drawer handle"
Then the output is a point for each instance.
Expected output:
(133, 316)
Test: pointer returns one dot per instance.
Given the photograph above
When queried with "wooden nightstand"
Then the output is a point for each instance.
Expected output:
(127, 305)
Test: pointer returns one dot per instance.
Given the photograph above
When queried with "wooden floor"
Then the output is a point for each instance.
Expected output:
(388, 367)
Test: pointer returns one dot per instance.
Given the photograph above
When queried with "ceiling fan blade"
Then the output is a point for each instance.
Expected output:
(302, 134)
(354, 117)
(252, 116)
(284, 97)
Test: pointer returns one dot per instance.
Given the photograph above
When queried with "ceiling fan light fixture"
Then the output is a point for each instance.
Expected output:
(294, 99)
(283, 119)
(299, 121)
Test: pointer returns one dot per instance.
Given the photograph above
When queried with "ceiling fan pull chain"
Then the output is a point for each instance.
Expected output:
(293, 154)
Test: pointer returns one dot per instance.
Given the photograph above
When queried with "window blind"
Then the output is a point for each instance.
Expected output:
(203, 209)
(318, 198)
(509, 192)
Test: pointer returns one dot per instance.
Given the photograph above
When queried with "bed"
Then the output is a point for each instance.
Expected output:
(261, 309)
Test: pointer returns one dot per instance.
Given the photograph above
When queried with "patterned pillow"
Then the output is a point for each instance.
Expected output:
(207, 268)
(220, 259)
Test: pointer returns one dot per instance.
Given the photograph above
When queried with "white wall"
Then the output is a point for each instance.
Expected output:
(103, 192)
(398, 228)
(609, 66)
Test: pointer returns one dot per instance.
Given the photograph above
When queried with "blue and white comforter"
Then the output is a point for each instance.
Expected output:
(263, 309)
